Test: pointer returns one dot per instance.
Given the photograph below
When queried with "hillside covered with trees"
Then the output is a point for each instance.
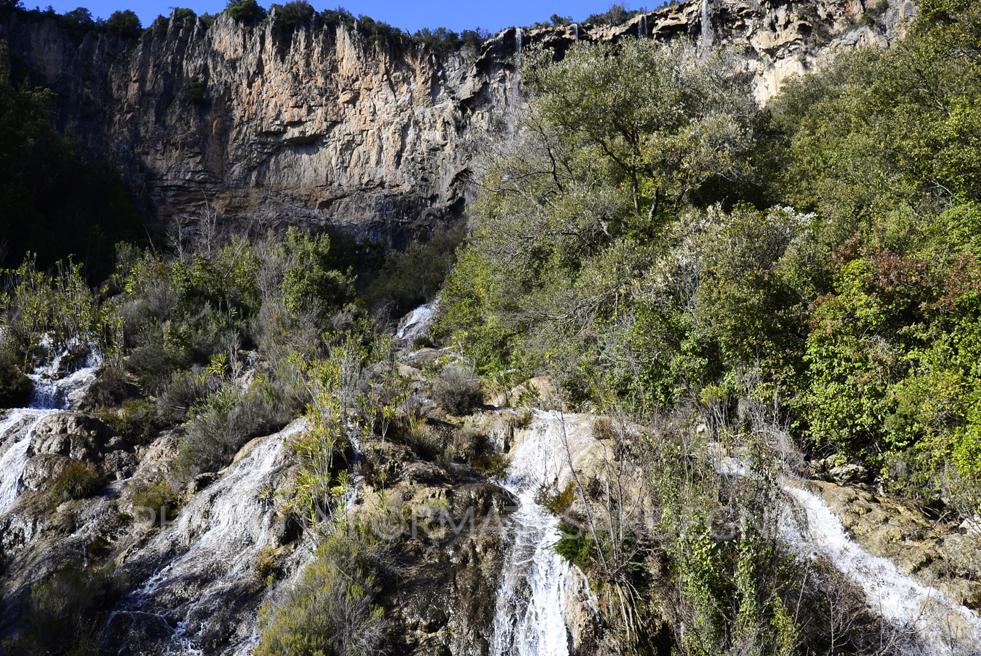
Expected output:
(703, 305)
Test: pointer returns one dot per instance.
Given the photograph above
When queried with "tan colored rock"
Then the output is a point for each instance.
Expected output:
(324, 126)
(941, 555)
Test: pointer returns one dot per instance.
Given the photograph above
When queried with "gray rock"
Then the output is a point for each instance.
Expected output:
(849, 474)
(70, 434)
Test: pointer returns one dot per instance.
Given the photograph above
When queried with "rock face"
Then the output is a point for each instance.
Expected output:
(324, 125)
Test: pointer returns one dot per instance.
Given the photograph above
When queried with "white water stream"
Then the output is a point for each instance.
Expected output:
(213, 544)
(50, 395)
(537, 584)
(944, 627)
(416, 323)
(706, 25)
(811, 529)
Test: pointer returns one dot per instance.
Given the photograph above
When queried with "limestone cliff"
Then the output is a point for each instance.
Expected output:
(324, 125)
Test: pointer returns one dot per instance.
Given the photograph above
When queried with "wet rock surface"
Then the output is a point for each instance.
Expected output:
(941, 555)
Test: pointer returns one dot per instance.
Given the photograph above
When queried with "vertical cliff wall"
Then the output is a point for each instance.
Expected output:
(325, 125)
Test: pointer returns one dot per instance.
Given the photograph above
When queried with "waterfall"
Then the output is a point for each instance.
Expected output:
(941, 625)
(50, 395)
(944, 626)
(706, 25)
(642, 27)
(518, 41)
(416, 323)
(214, 542)
(575, 31)
(536, 583)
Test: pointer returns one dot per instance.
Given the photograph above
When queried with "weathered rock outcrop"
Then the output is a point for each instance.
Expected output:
(326, 125)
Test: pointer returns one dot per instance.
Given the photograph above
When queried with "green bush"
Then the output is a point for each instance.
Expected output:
(227, 420)
(292, 15)
(47, 312)
(77, 480)
(412, 277)
(159, 497)
(75, 599)
(334, 608)
(457, 390)
(136, 420)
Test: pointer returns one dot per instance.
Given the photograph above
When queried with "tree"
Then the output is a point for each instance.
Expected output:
(248, 12)
(125, 24)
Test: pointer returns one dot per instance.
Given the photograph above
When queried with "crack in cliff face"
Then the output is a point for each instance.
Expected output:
(325, 126)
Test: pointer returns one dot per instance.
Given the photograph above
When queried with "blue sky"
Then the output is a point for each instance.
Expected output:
(409, 15)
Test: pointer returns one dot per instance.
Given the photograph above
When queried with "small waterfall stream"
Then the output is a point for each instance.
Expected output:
(51, 394)
(213, 544)
(706, 25)
(944, 627)
(811, 529)
(537, 583)
(416, 323)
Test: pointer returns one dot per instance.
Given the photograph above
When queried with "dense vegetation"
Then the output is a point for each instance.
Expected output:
(53, 201)
(676, 256)
(658, 239)
(709, 275)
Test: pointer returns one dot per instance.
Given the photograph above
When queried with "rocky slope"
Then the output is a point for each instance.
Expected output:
(325, 125)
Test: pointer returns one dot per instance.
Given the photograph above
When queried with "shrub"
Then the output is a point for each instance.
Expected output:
(54, 309)
(74, 599)
(413, 276)
(185, 390)
(77, 480)
(226, 421)
(334, 608)
(158, 497)
(457, 389)
(334, 17)
(134, 419)
(183, 15)
(112, 387)
(125, 24)
(292, 14)
(492, 464)
(79, 18)
(267, 563)
(424, 439)
(560, 501)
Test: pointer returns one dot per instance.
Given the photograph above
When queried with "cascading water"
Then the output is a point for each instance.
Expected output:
(810, 528)
(215, 540)
(706, 25)
(50, 395)
(642, 27)
(518, 41)
(944, 627)
(536, 583)
(416, 323)
(575, 31)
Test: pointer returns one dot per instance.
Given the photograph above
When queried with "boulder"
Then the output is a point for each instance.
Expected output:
(70, 434)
